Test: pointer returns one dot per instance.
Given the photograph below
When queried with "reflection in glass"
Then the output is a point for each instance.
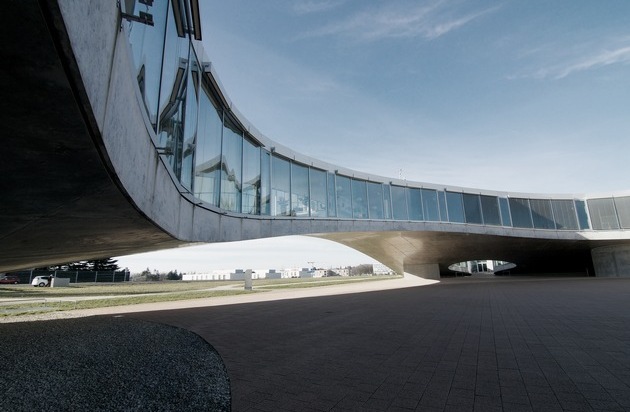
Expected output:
(455, 207)
(359, 199)
(506, 219)
(622, 205)
(318, 193)
(472, 209)
(521, 216)
(580, 207)
(414, 203)
(399, 203)
(430, 205)
(280, 186)
(208, 151)
(387, 202)
(251, 178)
(300, 199)
(265, 183)
(603, 216)
(375, 200)
(564, 214)
(442, 203)
(190, 124)
(344, 197)
(542, 214)
(332, 195)
(490, 209)
(231, 169)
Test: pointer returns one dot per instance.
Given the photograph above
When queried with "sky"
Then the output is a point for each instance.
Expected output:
(523, 96)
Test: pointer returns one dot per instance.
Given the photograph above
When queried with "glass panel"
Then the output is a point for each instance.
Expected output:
(318, 193)
(332, 196)
(542, 214)
(251, 178)
(344, 197)
(387, 202)
(265, 183)
(455, 207)
(359, 199)
(442, 203)
(564, 214)
(147, 48)
(472, 209)
(208, 152)
(430, 205)
(414, 203)
(506, 220)
(280, 186)
(580, 206)
(603, 216)
(490, 209)
(190, 124)
(399, 203)
(375, 200)
(173, 99)
(231, 171)
(300, 199)
(622, 204)
(519, 209)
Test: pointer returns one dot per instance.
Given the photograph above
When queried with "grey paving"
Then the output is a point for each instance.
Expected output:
(461, 345)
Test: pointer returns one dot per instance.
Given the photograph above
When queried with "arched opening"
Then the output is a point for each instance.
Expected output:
(481, 267)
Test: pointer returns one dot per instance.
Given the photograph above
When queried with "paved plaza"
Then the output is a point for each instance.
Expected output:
(461, 345)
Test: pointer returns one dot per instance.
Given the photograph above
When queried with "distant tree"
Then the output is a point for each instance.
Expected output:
(103, 265)
(173, 275)
(331, 272)
(364, 269)
(80, 265)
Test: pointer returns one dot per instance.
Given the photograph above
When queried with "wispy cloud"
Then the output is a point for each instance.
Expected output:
(427, 21)
(579, 60)
(316, 6)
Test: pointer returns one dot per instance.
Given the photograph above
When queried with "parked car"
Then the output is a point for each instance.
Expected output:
(12, 279)
(41, 281)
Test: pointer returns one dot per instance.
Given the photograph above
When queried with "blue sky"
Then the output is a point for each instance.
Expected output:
(528, 96)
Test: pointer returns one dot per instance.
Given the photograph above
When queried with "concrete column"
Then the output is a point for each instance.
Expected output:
(612, 261)
(424, 270)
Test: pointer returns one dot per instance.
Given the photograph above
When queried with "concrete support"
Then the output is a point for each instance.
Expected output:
(425, 270)
(612, 261)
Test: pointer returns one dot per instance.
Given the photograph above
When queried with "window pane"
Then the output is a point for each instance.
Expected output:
(442, 203)
(318, 193)
(344, 197)
(414, 204)
(430, 205)
(472, 209)
(208, 152)
(265, 183)
(564, 213)
(190, 124)
(387, 202)
(622, 204)
(490, 208)
(232, 168)
(359, 199)
(399, 203)
(506, 220)
(455, 207)
(332, 196)
(580, 206)
(519, 209)
(251, 178)
(541, 213)
(300, 199)
(375, 200)
(280, 186)
(603, 216)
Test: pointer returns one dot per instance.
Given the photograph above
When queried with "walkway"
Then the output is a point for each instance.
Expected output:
(460, 345)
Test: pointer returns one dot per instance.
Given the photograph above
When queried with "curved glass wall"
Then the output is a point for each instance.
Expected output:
(216, 159)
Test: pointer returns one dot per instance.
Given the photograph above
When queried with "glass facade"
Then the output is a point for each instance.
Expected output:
(216, 159)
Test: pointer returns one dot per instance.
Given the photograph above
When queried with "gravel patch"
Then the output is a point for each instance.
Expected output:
(107, 363)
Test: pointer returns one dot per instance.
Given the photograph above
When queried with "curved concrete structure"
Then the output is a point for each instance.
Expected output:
(112, 150)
